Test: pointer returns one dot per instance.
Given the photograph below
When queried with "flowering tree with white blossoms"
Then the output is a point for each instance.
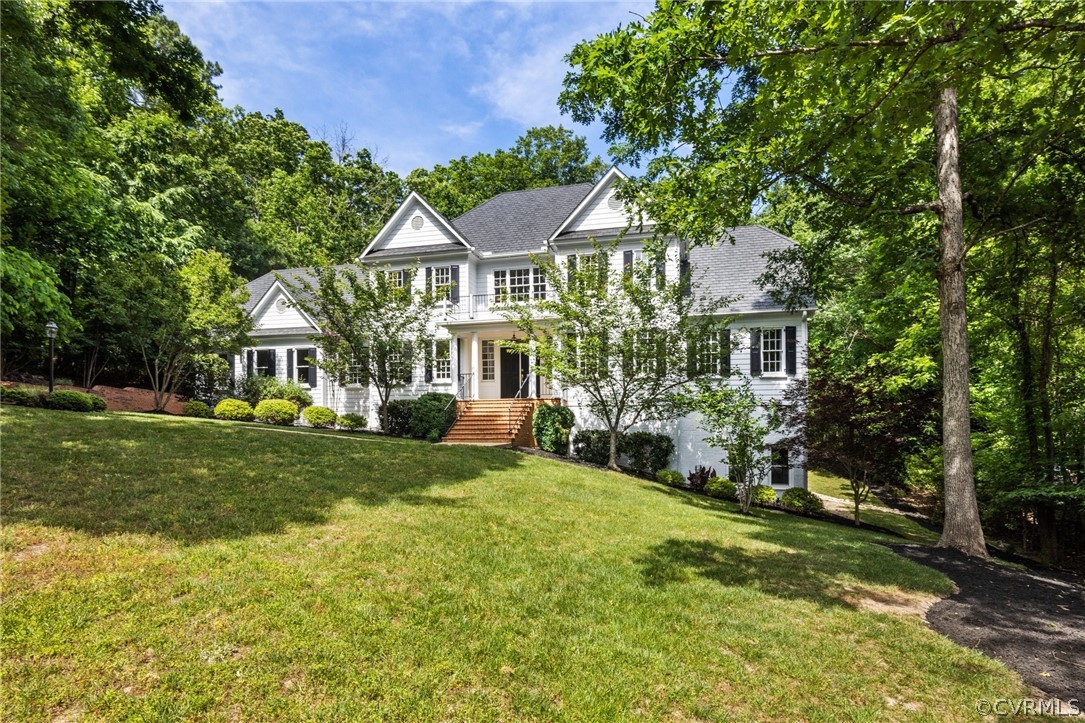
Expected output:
(629, 338)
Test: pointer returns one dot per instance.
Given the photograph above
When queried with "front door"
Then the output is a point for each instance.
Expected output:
(514, 370)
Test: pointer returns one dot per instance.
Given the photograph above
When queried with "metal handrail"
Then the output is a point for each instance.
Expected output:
(527, 378)
(477, 303)
(459, 392)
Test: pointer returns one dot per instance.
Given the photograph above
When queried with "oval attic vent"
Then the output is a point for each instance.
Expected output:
(281, 305)
(416, 222)
(614, 203)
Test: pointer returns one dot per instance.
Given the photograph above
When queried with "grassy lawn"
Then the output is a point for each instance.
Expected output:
(159, 568)
(874, 510)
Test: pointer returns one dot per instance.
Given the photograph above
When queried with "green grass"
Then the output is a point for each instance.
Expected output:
(880, 515)
(160, 568)
(826, 484)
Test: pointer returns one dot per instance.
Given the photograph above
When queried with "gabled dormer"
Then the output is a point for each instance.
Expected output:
(600, 211)
(416, 227)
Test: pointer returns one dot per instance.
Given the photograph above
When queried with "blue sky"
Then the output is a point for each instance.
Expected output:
(417, 82)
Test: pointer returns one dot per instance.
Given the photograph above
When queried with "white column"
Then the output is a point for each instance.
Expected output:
(533, 382)
(476, 365)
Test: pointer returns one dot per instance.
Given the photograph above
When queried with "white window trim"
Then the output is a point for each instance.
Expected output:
(782, 373)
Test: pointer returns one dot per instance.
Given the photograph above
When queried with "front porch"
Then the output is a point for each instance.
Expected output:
(484, 368)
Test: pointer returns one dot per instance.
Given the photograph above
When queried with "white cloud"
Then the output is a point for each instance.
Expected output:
(462, 130)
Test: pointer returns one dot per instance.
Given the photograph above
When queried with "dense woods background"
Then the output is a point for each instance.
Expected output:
(118, 159)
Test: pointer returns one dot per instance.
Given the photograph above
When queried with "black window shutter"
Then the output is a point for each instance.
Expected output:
(627, 262)
(271, 354)
(684, 271)
(661, 274)
(454, 273)
(791, 347)
(755, 352)
(691, 356)
(311, 353)
(233, 366)
(408, 364)
(571, 266)
(429, 365)
(429, 278)
(249, 363)
(725, 352)
(403, 278)
(289, 364)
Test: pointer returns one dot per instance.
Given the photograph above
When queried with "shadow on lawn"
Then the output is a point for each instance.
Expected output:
(195, 481)
(804, 558)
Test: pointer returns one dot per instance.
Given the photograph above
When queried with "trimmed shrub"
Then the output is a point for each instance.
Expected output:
(551, 425)
(353, 422)
(797, 498)
(276, 411)
(646, 452)
(319, 417)
(432, 416)
(399, 417)
(670, 478)
(592, 445)
(698, 476)
(196, 408)
(763, 496)
(236, 410)
(256, 389)
(74, 401)
(721, 488)
(23, 396)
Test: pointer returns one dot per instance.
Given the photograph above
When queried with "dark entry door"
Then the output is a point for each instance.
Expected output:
(514, 369)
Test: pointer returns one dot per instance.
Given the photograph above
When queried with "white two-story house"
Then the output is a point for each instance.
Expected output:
(484, 255)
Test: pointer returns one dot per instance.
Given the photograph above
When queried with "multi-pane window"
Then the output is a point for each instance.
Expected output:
(539, 283)
(713, 350)
(442, 282)
(399, 365)
(442, 360)
(489, 366)
(648, 352)
(513, 284)
(780, 466)
(301, 367)
(356, 371)
(772, 351)
(398, 279)
(265, 362)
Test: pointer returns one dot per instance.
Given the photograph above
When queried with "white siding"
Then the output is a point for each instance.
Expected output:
(598, 214)
(433, 232)
(269, 316)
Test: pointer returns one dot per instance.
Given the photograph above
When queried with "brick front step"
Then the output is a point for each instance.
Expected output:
(489, 421)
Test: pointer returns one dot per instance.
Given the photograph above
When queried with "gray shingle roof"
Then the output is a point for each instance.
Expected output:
(731, 269)
(260, 285)
(520, 220)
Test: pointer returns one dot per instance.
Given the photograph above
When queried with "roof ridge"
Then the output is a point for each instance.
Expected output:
(522, 190)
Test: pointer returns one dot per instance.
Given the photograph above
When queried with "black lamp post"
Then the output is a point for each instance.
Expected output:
(51, 332)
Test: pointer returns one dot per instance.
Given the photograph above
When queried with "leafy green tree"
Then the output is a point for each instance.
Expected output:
(373, 327)
(621, 339)
(860, 102)
(546, 156)
(184, 312)
(737, 420)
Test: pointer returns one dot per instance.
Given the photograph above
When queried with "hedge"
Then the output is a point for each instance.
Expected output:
(236, 410)
(319, 417)
(199, 409)
(551, 425)
(353, 422)
(721, 488)
(276, 411)
(645, 451)
(74, 401)
(23, 396)
(432, 415)
(796, 498)
(399, 417)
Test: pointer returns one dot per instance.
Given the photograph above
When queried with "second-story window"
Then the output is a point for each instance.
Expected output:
(772, 351)
(442, 360)
(513, 284)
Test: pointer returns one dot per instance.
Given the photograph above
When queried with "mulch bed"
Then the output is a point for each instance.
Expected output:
(1031, 620)
(119, 399)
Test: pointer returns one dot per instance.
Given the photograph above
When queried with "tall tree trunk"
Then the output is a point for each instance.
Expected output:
(612, 460)
(1047, 363)
(961, 529)
(1019, 324)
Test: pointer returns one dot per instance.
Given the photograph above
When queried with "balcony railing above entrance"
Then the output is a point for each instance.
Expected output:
(490, 305)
